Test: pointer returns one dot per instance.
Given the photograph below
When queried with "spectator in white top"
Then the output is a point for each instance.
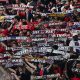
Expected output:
(53, 9)
(75, 43)
(72, 6)
(56, 51)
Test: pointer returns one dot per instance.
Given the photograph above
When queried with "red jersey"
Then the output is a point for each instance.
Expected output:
(4, 33)
(75, 78)
(2, 49)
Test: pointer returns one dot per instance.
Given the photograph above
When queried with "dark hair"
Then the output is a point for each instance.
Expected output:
(17, 17)
(55, 47)
(75, 38)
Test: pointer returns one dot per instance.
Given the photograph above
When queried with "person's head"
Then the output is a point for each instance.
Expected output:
(40, 65)
(20, 33)
(79, 35)
(75, 36)
(55, 65)
(55, 47)
(16, 32)
(28, 33)
(27, 9)
(50, 3)
(1, 29)
(20, 69)
(24, 31)
(23, 69)
(16, 19)
(78, 65)
(24, 22)
(4, 20)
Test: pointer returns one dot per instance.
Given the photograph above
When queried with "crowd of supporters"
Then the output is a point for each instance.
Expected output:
(40, 40)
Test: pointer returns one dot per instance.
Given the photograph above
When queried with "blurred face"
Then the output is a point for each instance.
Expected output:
(24, 30)
(58, 1)
(20, 34)
(49, 79)
(13, 45)
(15, 20)
(20, 69)
(51, 3)
(27, 10)
(71, 2)
(78, 65)
(1, 30)
(24, 70)
(0, 12)
(40, 65)
(28, 33)
(23, 20)
(79, 36)
(75, 38)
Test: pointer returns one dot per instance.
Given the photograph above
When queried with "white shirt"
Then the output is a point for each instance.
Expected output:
(71, 7)
(72, 44)
(64, 54)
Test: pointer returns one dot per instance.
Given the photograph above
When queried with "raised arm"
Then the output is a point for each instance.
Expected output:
(12, 70)
(16, 77)
(30, 64)
(11, 26)
(2, 69)
(49, 66)
(3, 44)
(29, 69)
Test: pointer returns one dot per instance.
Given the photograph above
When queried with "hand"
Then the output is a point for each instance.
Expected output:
(26, 60)
(12, 73)
(13, 22)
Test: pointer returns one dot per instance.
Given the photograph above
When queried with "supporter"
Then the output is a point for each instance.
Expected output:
(34, 26)
(30, 69)
(53, 9)
(25, 74)
(57, 52)
(41, 70)
(22, 14)
(75, 42)
(2, 47)
(17, 23)
(4, 32)
(67, 18)
(29, 15)
(28, 34)
(9, 74)
(75, 70)
(21, 33)
(3, 24)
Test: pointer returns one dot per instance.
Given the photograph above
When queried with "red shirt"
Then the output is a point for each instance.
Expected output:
(22, 14)
(41, 73)
(57, 70)
(4, 32)
(2, 49)
(17, 26)
(30, 26)
(35, 23)
(66, 19)
(75, 78)
(60, 32)
(78, 28)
